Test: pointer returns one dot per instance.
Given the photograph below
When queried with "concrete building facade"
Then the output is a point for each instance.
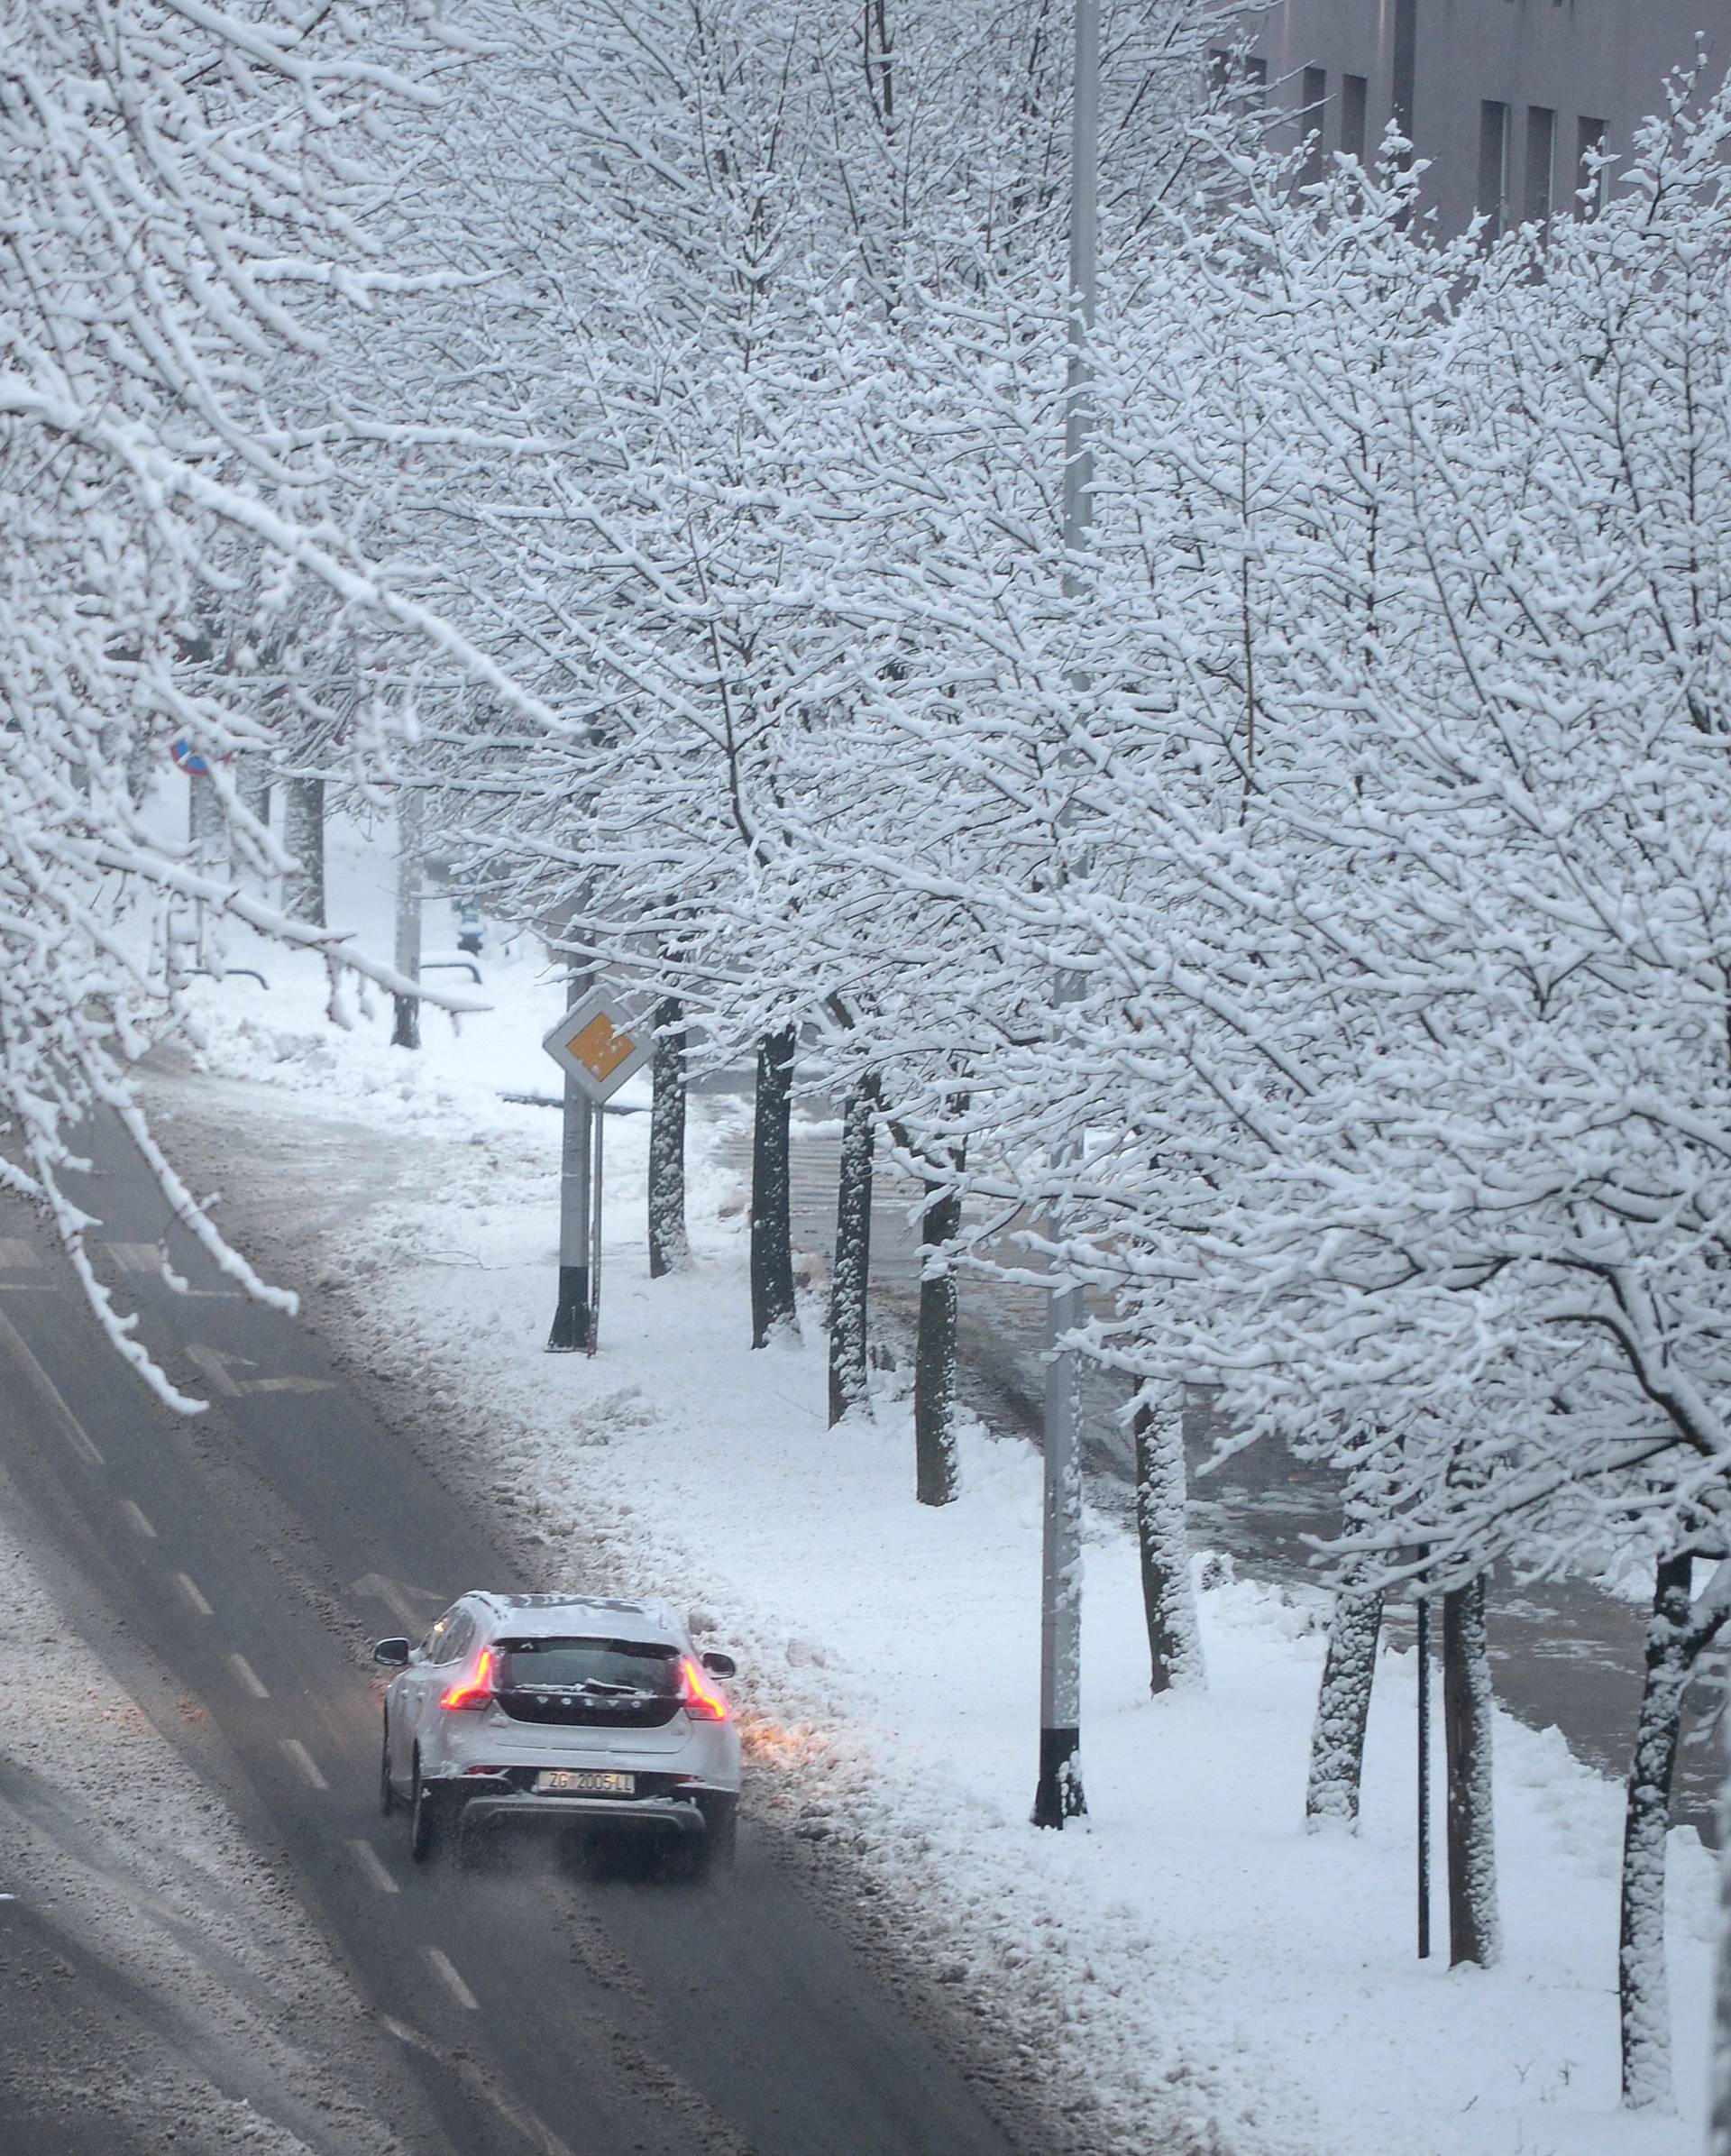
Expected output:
(1502, 97)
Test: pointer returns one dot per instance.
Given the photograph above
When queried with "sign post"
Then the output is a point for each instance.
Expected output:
(599, 1043)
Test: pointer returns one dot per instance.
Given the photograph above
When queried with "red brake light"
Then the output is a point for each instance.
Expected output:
(702, 1702)
(474, 1692)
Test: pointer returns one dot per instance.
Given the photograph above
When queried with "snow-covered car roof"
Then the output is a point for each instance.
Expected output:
(551, 1616)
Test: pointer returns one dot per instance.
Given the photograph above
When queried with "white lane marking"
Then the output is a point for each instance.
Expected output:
(189, 1590)
(247, 1675)
(12, 1341)
(370, 1861)
(442, 1970)
(135, 1519)
(16, 1255)
(136, 1257)
(396, 1596)
(218, 1365)
(305, 1761)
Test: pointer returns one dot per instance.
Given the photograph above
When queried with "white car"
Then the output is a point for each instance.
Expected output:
(554, 1707)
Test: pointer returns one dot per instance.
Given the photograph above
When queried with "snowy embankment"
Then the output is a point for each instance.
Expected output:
(205, 2001)
(1200, 1972)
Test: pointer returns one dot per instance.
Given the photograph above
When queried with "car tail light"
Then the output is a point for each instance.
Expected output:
(701, 1701)
(476, 1692)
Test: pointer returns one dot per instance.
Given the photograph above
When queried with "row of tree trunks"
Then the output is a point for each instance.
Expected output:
(1175, 1660)
(1337, 1750)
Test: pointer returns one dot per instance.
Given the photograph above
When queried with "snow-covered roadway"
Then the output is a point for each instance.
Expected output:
(246, 1556)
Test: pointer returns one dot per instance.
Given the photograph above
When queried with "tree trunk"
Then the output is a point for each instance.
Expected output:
(1343, 1709)
(1643, 1993)
(936, 1480)
(669, 1248)
(849, 1284)
(207, 826)
(772, 1307)
(405, 1028)
(303, 837)
(252, 784)
(1475, 1932)
(1163, 1536)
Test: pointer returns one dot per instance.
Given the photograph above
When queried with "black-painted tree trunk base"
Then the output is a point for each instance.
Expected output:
(569, 1332)
(1057, 1795)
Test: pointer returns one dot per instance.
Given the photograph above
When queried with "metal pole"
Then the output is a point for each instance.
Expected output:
(1423, 1775)
(570, 1320)
(1057, 1795)
(598, 1188)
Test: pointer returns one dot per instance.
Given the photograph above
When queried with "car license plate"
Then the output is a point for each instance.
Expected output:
(586, 1781)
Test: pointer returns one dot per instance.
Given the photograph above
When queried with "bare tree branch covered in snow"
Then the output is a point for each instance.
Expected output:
(185, 193)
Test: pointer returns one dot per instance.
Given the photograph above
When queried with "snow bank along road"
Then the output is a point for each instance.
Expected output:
(250, 1554)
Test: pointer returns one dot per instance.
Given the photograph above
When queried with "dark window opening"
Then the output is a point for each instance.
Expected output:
(1355, 98)
(1590, 139)
(1312, 113)
(1493, 167)
(1541, 163)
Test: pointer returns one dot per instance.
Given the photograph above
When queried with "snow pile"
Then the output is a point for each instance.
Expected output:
(1200, 1972)
(215, 1983)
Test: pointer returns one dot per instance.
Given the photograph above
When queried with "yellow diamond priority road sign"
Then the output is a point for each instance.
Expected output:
(599, 1044)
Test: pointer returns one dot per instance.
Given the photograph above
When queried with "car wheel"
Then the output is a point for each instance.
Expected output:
(716, 1848)
(425, 1820)
(386, 1795)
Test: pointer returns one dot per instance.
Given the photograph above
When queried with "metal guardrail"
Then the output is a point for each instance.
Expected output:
(229, 972)
(466, 966)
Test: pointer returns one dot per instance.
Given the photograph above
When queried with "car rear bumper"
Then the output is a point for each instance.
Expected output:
(660, 1815)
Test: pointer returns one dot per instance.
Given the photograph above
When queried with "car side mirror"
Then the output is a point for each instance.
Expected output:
(394, 1651)
(722, 1666)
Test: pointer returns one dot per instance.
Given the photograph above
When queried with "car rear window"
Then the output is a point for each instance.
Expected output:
(584, 1665)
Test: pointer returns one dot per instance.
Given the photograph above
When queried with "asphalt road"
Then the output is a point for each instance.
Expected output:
(230, 1568)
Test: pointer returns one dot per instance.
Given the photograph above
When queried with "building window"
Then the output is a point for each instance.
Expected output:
(1589, 136)
(1355, 97)
(1312, 112)
(1256, 73)
(1541, 163)
(1493, 166)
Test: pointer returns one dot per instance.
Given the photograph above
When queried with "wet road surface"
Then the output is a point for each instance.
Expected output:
(245, 1557)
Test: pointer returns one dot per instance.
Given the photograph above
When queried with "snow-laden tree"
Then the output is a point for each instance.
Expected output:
(186, 193)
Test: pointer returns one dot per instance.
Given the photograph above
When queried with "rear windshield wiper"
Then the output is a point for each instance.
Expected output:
(592, 1686)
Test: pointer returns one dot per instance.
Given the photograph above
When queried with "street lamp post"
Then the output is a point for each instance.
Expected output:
(1058, 1795)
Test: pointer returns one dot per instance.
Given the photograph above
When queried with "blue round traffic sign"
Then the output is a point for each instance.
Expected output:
(188, 759)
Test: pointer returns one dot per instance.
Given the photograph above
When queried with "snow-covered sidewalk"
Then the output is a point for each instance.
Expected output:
(1202, 1973)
